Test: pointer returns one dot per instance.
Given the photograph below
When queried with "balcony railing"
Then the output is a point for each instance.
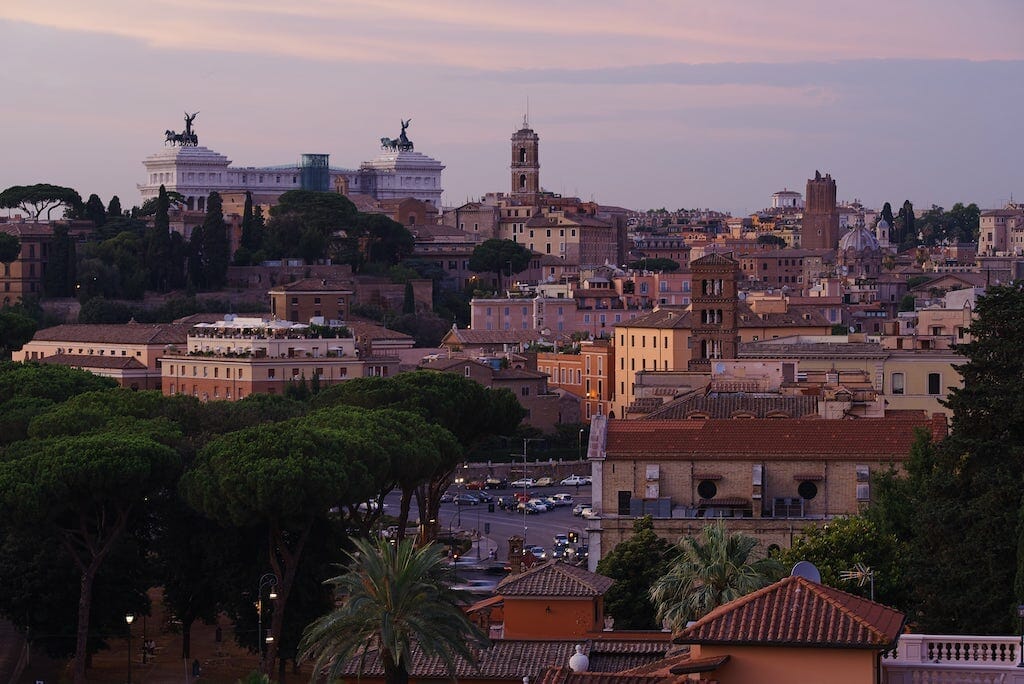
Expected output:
(946, 659)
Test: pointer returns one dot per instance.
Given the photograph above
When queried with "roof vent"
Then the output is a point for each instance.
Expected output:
(579, 662)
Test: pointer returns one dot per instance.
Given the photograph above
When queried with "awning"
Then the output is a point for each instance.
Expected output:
(813, 477)
(735, 501)
(707, 476)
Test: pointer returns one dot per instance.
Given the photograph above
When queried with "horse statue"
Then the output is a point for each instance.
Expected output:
(402, 142)
(184, 139)
(389, 144)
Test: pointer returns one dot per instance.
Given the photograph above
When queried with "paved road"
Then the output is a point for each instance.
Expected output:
(536, 529)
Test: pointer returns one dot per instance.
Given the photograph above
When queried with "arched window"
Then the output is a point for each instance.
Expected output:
(522, 181)
(522, 155)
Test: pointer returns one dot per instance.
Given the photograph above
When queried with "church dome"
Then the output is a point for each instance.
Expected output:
(858, 239)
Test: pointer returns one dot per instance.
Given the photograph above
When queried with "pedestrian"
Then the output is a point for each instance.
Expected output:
(196, 669)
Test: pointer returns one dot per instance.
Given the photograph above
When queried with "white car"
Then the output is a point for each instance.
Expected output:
(523, 482)
(588, 513)
(540, 504)
(575, 481)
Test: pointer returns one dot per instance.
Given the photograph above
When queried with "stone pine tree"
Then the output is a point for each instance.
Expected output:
(158, 244)
(216, 244)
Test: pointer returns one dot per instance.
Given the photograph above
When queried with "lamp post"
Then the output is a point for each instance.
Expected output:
(579, 442)
(459, 481)
(526, 493)
(267, 581)
(129, 618)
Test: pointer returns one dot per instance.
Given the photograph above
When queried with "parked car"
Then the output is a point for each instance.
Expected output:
(466, 499)
(483, 497)
(507, 503)
(475, 484)
(562, 499)
(528, 508)
(447, 498)
(578, 508)
(546, 482)
(540, 504)
(523, 482)
(588, 513)
(495, 483)
(575, 481)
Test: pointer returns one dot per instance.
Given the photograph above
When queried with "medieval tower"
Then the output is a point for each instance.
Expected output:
(525, 165)
(714, 322)
(820, 228)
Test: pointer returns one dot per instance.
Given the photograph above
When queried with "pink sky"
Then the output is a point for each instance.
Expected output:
(639, 103)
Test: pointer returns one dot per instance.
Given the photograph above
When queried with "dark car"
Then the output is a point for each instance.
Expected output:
(447, 498)
(495, 483)
(466, 499)
(508, 503)
(483, 497)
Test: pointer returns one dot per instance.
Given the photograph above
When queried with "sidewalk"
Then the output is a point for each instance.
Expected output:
(221, 663)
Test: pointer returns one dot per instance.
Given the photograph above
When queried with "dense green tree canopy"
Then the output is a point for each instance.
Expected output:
(10, 247)
(35, 199)
(635, 564)
(773, 240)
(658, 265)
(494, 256)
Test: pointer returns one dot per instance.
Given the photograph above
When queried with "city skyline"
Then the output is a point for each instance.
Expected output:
(665, 104)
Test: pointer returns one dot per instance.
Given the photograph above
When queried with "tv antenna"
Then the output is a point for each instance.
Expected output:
(863, 574)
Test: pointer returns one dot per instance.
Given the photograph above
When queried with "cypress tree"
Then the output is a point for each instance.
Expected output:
(216, 244)
(114, 208)
(95, 211)
(158, 244)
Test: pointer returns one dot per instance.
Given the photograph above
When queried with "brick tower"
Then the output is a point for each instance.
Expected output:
(525, 165)
(820, 228)
(714, 331)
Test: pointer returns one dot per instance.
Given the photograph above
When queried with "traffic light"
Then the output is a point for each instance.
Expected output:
(574, 537)
(490, 508)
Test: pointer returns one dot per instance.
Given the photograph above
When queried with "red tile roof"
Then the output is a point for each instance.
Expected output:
(564, 675)
(93, 361)
(797, 612)
(128, 333)
(555, 578)
(724, 439)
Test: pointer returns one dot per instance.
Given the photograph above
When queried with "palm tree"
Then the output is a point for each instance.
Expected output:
(709, 571)
(391, 597)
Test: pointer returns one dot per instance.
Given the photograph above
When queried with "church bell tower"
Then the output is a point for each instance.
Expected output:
(525, 167)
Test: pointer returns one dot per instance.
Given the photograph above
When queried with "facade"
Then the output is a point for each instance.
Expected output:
(820, 229)
(128, 353)
(1002, 231)
(787, 199)
(240, 356)
(713, 310)
(766, 477)
(24, 276)
(196, 171)
(310, 298)
(588, 374)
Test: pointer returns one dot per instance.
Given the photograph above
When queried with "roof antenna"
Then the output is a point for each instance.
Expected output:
(526, 117)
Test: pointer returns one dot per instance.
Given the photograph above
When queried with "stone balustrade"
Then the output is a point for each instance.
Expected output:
(951, 659)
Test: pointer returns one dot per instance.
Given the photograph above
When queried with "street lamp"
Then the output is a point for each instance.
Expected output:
(129, 618)
(579, 444)
(459, 481)
(267, 581)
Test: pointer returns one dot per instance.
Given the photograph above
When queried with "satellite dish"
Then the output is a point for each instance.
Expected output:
(806, 570)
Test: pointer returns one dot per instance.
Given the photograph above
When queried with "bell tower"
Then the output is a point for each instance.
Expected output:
(525, 166)
(714, 324)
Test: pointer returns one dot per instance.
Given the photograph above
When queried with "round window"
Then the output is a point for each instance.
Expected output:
(707, 489)
(807, 490)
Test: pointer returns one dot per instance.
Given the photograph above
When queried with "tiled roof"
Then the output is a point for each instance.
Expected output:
(729, 405)
(726, 439)
(797, 612)
(808, 350)
(514, 659)
(663, 317)
(372, 331)
(128, 333)
(714, 259)
(795, 316)
(555, 578)
(564, 675)
(315, 285)
(94, 361)
(518, 374)
(467, 336)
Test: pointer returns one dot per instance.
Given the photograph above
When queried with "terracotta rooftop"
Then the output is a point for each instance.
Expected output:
(467, 336)
(730, 405)
(315, 285)
(512, 659)
(715, 259)
(518, 374)
(664, 317)
(797, 612)
(726, 439)
(128, 333)
(94, 361)
(564, 675)
(554, 578)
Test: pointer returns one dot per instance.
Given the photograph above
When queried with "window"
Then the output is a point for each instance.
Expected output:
(807, 490)
(707, 489)
(624, 498)
(934, 383)
(525, 391)
(898, 386)
(271, 373)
